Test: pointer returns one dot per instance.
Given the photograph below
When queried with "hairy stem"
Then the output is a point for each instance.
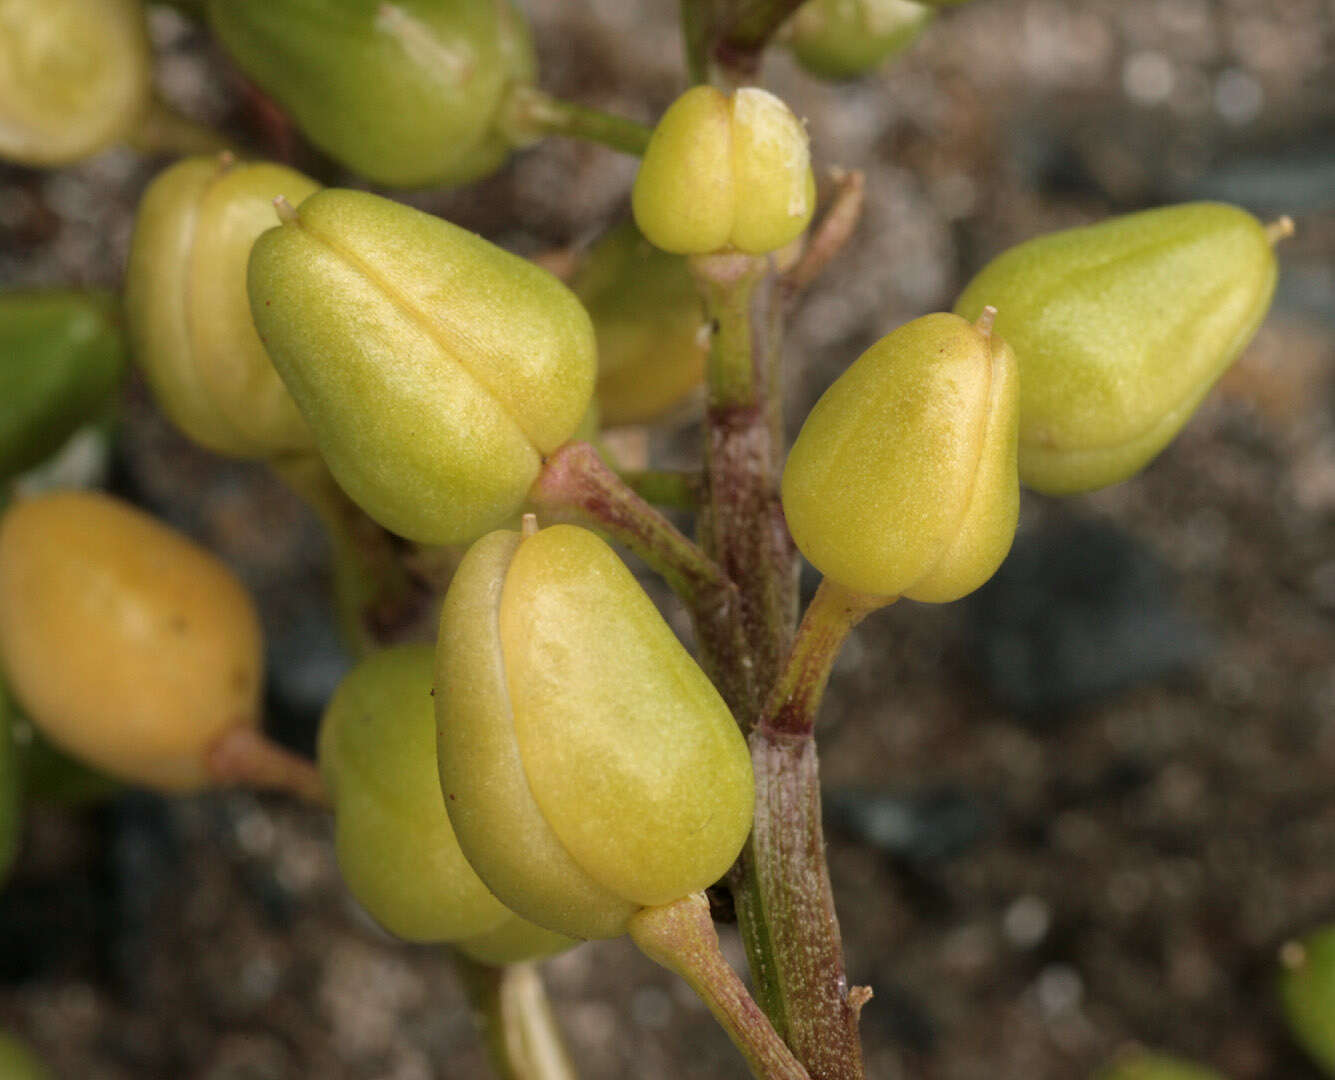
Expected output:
(681, 937)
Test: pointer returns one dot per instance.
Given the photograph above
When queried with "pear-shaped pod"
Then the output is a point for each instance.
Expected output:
(61, 357)
(1121, 328)
(435, 369)
(648, 317)
(125, 643)
(1307, 991)
(902, 481)
(188, 311)
(843, 39)
(395, 846)
(75, 77)
(1147, 1066)
(406, 94)
(723, 172)
(589, 766)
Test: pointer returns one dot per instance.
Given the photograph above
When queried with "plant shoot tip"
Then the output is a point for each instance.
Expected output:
(287, 213)
(1280, 229)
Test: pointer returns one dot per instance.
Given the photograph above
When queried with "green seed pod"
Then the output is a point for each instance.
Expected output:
(589, 767)
(406, 93)
(843, 39)
(61, 357)
(75, 77)
(725, 172)
(1121, 329)
(434, 368)
(129, 646)
(902, 481)
(648, 318)
(188, 312)
(1307, 991)
(17, 1062)
(395, 847)
(1156, 1067)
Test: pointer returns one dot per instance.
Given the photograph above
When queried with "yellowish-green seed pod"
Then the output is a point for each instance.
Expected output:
(61, 357)
(843, 39)
(648, 317)
(188, 312)
(18, 1062)
(902, 481)
(725, 172)
(1145, 1066)
(1307, 991)
(129, 646)
(1121, 329)
(75, 77)
(406, 93)
(435, 369)
(395, 846)
(589, 766)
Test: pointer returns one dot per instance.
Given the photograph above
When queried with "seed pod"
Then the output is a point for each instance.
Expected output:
(434, 368)
(1121, 329)
(648, 317)
(395, 847)
(725, 172)
(61, 357)
(1307, 991)
(17, 1061)
(844, 39)
(188, 312)
(1156, 1067)
(406, 94)
(902, 481)
(125, 643)
(589, 767)
(76, 77)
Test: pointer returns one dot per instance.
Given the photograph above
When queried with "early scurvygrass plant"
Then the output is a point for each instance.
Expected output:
(585, 776)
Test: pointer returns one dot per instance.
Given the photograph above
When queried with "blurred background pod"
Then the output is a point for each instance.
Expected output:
(1151, 1066)
(404, 93)
(648, 317)
(1121, 328)
(435, 369)
(725, 171)
(1307, 993)
(75, 77)
(188, 311)
(589, 767)
(62, 353)
(18, 1062)
(844, 39)
(902, 481)
(395, 847)
(134, 651)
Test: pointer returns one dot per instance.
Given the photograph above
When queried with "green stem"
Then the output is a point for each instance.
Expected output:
(164, 131)
(725, 39)
(374, 596)
(697, 28)
(528, 115)
(515, 1020)
(576, 482)
(727, 283)
(681, 937)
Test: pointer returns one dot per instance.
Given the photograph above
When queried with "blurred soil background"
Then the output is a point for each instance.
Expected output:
(1077, 812)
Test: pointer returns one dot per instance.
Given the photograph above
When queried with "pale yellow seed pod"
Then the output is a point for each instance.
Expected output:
(189, 313)
(129, 646)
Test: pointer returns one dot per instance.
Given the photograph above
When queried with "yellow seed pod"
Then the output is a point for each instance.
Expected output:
(1121, 329)
(589, 767)
(648, 317)
(724, 172)
(902, 481)
(395, 847)
(188, 311)
(129, 646)
(435, 369)
(74, 77)
(1307, 993)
